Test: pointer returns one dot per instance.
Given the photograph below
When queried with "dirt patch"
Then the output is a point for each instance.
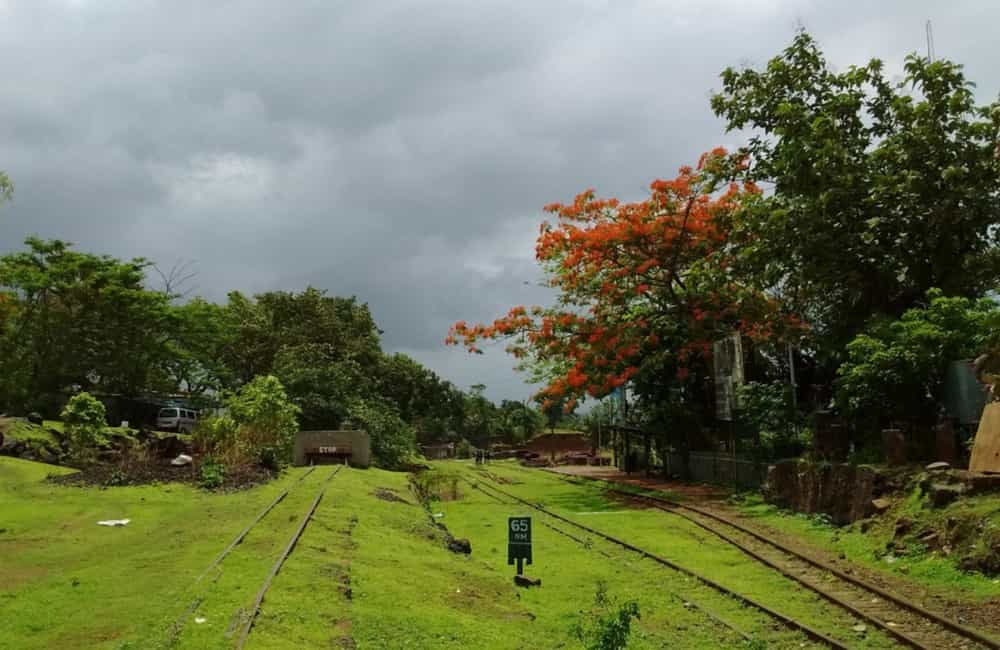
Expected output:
(385, 494)
(678, 489)
(160, 471)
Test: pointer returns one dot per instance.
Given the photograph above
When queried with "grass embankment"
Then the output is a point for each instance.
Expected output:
(368, 570)
(932, 564)
(679, 540)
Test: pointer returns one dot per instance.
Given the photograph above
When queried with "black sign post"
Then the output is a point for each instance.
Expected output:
(519, 541)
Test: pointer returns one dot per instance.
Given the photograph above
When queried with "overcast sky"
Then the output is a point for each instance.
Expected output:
(397, 151)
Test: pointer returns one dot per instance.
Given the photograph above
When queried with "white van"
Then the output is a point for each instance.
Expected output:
(175, 418)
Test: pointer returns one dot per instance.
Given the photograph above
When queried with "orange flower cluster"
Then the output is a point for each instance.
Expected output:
(625, 270)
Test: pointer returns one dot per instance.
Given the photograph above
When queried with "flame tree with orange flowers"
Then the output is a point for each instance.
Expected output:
(642, 288)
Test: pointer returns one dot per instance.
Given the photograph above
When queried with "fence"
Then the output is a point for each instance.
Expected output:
(723, 469)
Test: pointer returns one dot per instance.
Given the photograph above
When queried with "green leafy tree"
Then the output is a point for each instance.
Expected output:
(394, 442)
(276, 320)
(895, 370)
(201, 334)
(881, 191)
(518, 422)
(320, 382)
(481, 419)
(79, 320)
(84, 420)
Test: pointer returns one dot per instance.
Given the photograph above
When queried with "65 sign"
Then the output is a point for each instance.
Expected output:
(519, 541)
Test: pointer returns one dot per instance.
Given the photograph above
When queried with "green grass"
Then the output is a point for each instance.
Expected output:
(27, 431)
(681, 541)
(367, 570)
(932, 570)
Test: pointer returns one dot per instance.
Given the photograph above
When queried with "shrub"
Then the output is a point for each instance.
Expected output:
(212, 474)
(611, 622)
(767, 414)
(895, 369)
(84, 421)
(393, 441)
(463, 449)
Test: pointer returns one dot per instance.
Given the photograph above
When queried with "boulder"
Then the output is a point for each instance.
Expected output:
(881, 504)
(525, 581)
(938, 466)
(942, 493)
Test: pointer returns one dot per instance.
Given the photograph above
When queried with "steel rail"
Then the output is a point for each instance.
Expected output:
(677, 508)
(809, 631)
(587, 546)
(255, 608)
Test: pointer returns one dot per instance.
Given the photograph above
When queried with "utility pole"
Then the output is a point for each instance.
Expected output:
(930, 42)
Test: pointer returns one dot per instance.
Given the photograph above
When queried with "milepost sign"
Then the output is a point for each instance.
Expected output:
(519, 541)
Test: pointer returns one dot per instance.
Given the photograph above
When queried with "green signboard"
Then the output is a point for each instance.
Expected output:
(519, 541)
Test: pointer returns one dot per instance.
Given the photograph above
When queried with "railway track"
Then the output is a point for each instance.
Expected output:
(906, 621)
(686, 602)
(249, 617)
(788, 621)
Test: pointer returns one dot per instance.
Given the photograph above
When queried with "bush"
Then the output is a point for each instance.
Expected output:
(84, 422)
(611, 622)
(463, 449)
(267, 419)
(895, 369)
(768, 416)
(212, 474)
(394, 442)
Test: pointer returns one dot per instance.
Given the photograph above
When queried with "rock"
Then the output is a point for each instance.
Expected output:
(903, 526)
(525, 581)
(942, 494)
(938, 466)
(860, 627)
(881, 504)
(181, 460)
(456, 545)
(35, 417)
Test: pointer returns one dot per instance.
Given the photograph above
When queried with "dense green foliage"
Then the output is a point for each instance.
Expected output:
(895, 369)
(84, 421)
(882, 191)
(266, 418)
(393, 441)
(72, 321)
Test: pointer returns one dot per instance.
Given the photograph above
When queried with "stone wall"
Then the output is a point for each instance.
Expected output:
(844, 492)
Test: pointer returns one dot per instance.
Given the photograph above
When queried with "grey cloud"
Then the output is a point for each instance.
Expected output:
(393, 150)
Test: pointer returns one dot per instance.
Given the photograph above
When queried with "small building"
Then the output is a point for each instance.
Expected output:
(553, 445)
(441, 451)
(332, 448)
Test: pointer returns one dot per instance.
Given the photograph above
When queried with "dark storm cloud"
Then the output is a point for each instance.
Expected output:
(399, 151)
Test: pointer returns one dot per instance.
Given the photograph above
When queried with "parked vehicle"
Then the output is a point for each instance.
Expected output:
(175, 418)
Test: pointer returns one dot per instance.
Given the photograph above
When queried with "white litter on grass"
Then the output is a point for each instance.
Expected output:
(182, 460)
(200, 619)
(114, 522)
(438, 515)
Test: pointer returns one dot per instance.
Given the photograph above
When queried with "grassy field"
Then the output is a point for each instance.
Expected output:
(371, 570)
